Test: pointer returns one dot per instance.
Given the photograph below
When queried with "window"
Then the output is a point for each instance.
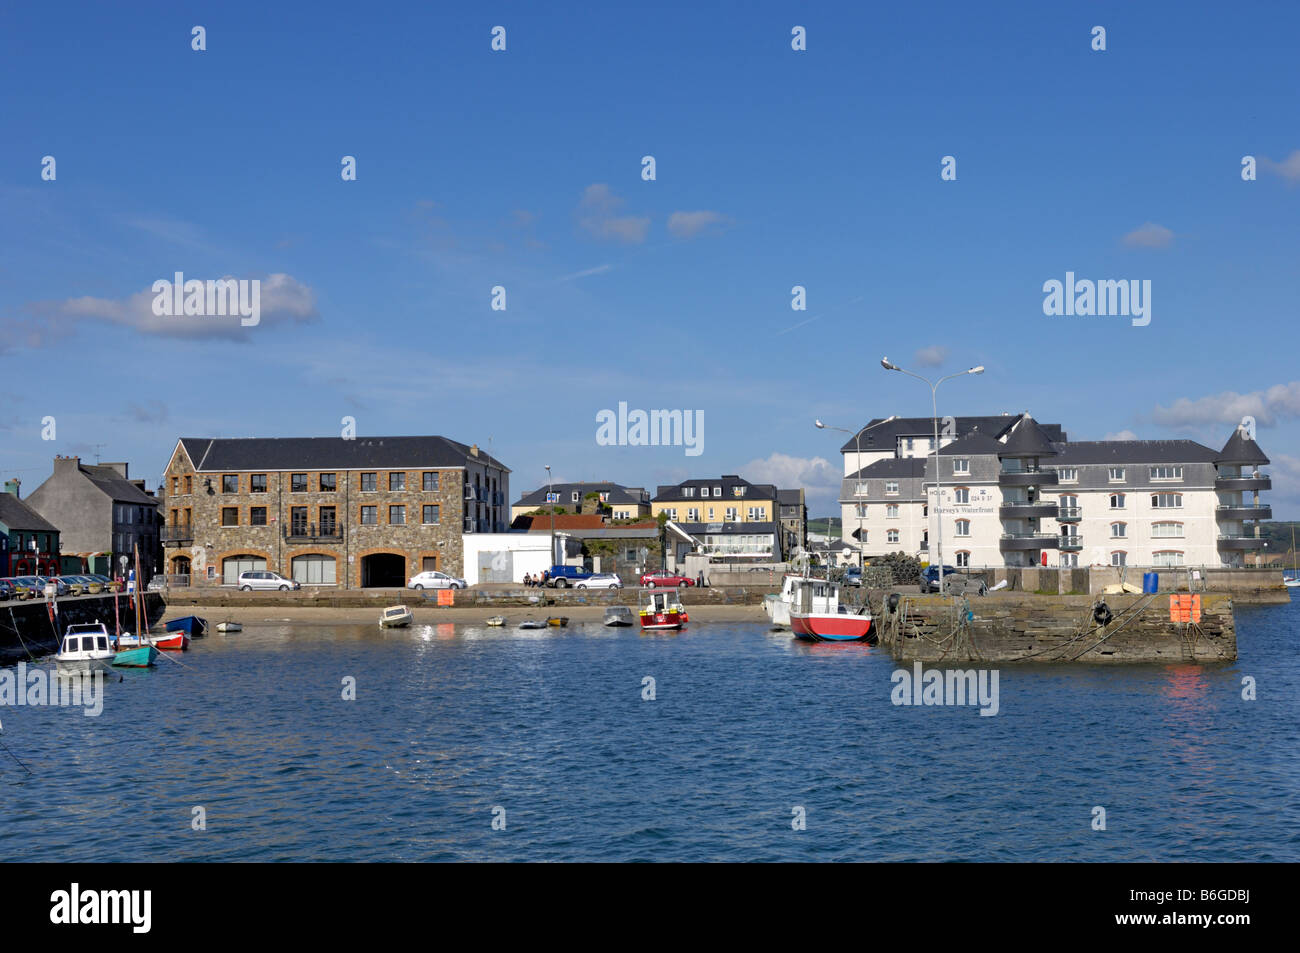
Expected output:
(313, 570)
(1117, 501)
(692, 515)
(230, 516)
(430, 483)
(233, 566)
(963, 527)
(731, 515)
(1169, 557)
(1118, 530)
(297, 483)
(860, 488)
(710, 514)
(230, 483)
(328, 482)
(862, 510)
(429, 514)
(189, 483)
(397, 515)
(909, 443)
(689, 491)
(961, 465)
(891, 487)
(891, 536)
(257, 483)
(961, 494)
(1116, 474)
(865, 533)
(717, 491)
(575, 496)
(1067, 475)
(963, 559)
(755, 514)
(396, 482)
(1166, 530)
(369, 482)
(298, 520)
(891, 511)
(672, 512)
(1119, 558)
(1167, 501)
(176, 486)
(328, 520)
(369, 515)
(257, 516)
(1166, 473)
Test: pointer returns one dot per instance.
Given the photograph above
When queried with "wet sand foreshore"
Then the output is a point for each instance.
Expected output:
(477, 615)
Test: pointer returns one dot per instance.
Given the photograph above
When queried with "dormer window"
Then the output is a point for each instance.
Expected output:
(717, 491)
(688, 491)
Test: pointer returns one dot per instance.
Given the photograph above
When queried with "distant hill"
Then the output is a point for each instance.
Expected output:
(826, 526)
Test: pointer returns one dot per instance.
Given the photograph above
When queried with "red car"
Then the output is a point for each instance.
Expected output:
(665, 579)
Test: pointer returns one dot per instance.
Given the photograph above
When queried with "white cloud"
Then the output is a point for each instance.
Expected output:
(690, 224)
(1149, 235)
(596, 214)
(1278, 402)
(1288, 168)
(932, 356)
(1121, 435)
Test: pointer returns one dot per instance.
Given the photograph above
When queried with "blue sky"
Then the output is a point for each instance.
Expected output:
(522, 169)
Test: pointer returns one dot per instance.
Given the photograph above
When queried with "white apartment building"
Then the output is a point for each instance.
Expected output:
(1013, 492)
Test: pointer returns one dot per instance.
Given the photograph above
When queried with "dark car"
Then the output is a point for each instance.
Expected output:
(930, 577)
(6, 590)
(954, 582)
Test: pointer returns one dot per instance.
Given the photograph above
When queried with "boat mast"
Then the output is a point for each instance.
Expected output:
(135, 547)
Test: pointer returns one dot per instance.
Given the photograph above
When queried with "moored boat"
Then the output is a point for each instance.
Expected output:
(661, 610)
(619, 616)
(817, 614)
(395, 617)
(777, 605)
(229, 627)
(497, 620)
(558, 620)
(532, 624)
(85, 647)
(191, 625)
(141, 657)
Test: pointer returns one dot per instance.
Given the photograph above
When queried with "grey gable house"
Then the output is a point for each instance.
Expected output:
(102, 514)
(327, 511)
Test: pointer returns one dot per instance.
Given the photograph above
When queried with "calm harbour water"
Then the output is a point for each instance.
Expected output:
(452, 721)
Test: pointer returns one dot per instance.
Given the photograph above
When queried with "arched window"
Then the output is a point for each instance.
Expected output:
(232, 566)
(1118, 530)
(961, 494)
(1167, 557)
(1119, 558)
(1167, 529)
(314, 569)
(1117, 501)
(963, 559)
(963, 527)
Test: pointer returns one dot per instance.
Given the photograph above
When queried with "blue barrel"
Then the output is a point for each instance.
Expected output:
(1151, 582)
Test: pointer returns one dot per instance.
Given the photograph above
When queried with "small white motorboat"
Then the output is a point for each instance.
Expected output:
(395, 617)
(618, 616)
(497, 620)
(85, 647)
(532, 624)
(229, 627)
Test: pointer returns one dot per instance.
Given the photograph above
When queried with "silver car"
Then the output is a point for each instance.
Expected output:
(264, 579)
(601, 580)
(432, 579)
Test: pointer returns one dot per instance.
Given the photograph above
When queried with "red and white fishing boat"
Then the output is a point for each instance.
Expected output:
(817, 614)
(171, 641)
(661, 610)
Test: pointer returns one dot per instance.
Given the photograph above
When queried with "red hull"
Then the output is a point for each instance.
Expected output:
(833, 628)
(664, 620)
(177, 642)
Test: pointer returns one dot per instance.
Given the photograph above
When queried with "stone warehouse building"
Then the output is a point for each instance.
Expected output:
(327, 511)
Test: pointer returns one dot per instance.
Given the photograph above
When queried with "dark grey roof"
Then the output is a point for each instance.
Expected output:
(329, 453)
(892, 467)
(831, 547)
(617, 493)
(878, 434)
(973, 443)
(18, 516)
(1241, 449)
(1027, 439)
(1131, 451)
(117, 488)
(789, 497)
(673, 492)
(722, 529)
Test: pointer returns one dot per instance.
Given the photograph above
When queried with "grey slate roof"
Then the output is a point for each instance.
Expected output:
(617, 493)
(1027, 439)
(18, 516)
(1240, 449)
(329, 453)
(673, 492)
(885, 435)
(1131, 451)
(973, 443)
(115, 487)
(891, 467)
(789, 497)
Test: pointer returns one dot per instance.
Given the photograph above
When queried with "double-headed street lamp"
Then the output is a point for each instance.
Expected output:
(857, 442)
(938, 478)
(551, 506)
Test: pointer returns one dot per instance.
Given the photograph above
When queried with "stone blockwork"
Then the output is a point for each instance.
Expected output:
(1014, 627)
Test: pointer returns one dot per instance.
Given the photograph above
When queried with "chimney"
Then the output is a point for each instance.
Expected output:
(66, 464)
(11, 486)
(474, 450)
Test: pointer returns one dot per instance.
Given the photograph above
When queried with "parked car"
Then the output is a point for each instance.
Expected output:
(264, 579)
(88, 583)
(563, 576)
(601, 580)
(652, 580)
(953, 581)
(853, 576)
(26, 587)
(75, 586)
(6, 590)
(59, 587)
(432, 579)
(110, 585)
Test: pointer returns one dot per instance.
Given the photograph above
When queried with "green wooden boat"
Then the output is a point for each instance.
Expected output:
(141, 657)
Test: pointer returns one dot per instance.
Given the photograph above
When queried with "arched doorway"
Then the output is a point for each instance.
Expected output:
(232, 566)
(314, 569)
(383, 570)
(180, 566)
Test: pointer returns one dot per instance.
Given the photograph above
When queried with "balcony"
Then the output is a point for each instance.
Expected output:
(1028, 476)
(1239, 541)
(1022, 510)
(1229, 484)
(1069, 514)
(313, 533)
(1022, 542)
(1244, 511)
(1070, 544)
(184, 533)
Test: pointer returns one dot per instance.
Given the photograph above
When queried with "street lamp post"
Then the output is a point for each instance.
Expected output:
(857, 443)
(938, 477)
(550, 505)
